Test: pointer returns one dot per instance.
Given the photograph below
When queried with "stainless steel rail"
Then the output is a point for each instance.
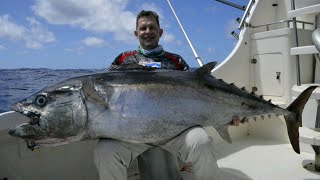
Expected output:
(288, 21)
(316, 34)
(246, 13)
(293, 7)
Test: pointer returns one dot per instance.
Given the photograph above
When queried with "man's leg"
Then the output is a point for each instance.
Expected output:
(195, 146)
(113, 157)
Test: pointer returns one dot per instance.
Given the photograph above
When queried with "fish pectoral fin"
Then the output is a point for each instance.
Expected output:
(91, 94)
(224, 133)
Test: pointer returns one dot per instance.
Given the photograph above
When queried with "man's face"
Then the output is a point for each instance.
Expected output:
(148, 32)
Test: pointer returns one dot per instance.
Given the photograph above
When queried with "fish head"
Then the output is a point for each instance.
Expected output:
(57, 114)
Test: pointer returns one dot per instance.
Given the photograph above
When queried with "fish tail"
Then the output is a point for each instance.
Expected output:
(294, 119)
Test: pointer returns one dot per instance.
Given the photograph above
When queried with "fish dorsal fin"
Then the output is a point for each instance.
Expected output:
(126, 67)
(206, 69)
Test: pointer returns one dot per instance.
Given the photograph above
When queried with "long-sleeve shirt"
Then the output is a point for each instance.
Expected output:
(158, 59)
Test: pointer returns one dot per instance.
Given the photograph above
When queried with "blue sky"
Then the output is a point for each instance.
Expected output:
(72, 34)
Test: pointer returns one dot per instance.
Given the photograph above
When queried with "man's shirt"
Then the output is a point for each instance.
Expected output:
(159, 59)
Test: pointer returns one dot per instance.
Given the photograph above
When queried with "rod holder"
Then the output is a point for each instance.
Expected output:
(235, 35)
(238, 20)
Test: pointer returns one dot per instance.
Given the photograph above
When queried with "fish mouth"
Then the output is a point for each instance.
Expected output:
(32, 115)
(34, 119)
(32, 145)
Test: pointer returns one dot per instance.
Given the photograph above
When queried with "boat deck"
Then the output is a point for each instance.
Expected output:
(256, 158)
(246, 159)
(263, 159)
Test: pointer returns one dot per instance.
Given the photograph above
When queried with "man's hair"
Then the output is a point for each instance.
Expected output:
(144, 13)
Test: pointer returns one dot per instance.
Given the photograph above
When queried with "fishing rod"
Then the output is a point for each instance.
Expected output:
(185, 34)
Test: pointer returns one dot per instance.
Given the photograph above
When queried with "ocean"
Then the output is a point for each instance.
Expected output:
(18, 84)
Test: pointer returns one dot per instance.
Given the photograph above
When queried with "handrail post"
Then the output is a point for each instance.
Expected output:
(293, 7)
(246, 13)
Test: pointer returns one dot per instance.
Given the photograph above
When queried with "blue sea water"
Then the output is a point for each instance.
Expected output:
(17, 84)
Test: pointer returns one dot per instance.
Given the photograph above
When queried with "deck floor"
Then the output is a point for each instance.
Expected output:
(252, 158)
(263, 159)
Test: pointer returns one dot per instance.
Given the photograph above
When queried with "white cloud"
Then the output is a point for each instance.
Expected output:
(93, 42)
(95, 15)
(167, 37)
(153, 7)
(34, 35)
(37, 35)
(77, 50)
(9, 29)
(100, 16)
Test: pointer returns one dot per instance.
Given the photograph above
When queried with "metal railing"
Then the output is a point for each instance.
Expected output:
(288, 21)
(293, 7)
(246, 13)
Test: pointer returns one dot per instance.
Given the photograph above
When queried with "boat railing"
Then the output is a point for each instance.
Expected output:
(293, 7)
(287, 21)
(246, 14)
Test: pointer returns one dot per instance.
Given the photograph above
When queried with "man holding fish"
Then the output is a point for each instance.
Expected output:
(113, 157)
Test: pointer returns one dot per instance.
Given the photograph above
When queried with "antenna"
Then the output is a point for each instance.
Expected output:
(185, 34)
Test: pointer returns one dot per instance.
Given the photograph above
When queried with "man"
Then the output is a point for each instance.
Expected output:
(149, 52)
(113, 157)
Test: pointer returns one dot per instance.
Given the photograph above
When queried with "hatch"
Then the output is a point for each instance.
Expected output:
(268, 74)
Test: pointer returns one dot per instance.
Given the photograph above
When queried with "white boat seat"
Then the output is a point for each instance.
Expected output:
(309, 136)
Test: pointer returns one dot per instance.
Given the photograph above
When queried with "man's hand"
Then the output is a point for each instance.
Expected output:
(235, 121)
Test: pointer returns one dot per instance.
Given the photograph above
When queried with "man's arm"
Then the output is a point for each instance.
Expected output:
(184, 65)
(115, 62)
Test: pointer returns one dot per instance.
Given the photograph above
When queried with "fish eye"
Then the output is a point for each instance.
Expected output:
(40, 100)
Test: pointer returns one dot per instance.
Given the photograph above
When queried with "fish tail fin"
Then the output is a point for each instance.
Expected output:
(294, 119)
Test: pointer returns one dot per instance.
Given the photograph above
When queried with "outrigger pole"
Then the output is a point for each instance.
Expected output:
(232, 4)
(185, 34)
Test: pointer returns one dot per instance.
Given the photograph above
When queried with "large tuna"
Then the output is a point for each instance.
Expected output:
(143, 106)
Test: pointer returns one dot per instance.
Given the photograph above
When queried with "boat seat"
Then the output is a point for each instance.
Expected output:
(310, 136)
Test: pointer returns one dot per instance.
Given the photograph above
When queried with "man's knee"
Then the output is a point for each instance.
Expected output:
(198, 137)
(107, 150)
(107, 146)
(197, 142)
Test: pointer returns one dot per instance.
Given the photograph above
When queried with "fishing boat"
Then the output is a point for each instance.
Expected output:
(276, 55)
